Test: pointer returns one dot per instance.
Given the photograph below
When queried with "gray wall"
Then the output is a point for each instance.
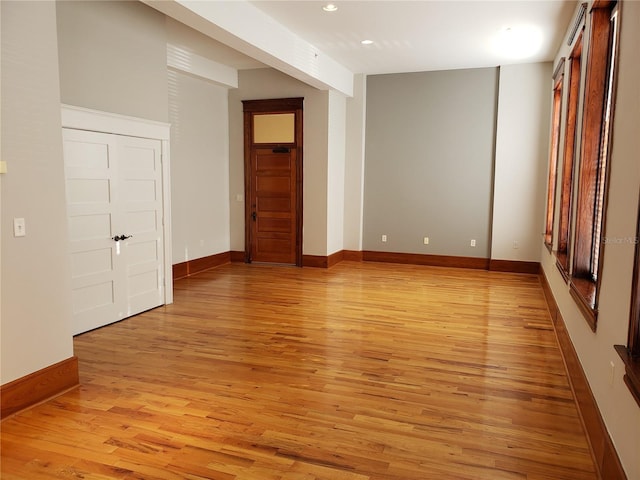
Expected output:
(269, 83)
(113, 57)
(36, 277)
(429, 161)
(199, 167)
(600, 362)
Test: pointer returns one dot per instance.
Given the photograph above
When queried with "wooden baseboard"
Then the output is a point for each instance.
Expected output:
(352, 255)
(431, 260)
(320, 261)
(335, 258)
(514, 266)
(604, 453)
(317, 261)
(191, 267)
(180, 270)
(237, 257)
(38, 386)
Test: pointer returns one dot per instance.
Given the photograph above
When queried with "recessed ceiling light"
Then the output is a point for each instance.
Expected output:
(330, 7)
(366, 42)
(518, 42)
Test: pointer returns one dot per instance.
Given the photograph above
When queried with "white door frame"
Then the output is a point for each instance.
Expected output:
(96, 121)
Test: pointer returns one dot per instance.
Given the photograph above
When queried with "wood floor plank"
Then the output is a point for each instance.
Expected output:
(363, 371)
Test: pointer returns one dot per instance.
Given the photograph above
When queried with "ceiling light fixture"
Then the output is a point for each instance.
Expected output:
(518, 42)
(366, 42)
(330, 7)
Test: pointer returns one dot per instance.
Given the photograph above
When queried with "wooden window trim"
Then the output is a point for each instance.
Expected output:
(556, 119)
(588, 248)
(578, 22)
(564, 228)
(584, 292)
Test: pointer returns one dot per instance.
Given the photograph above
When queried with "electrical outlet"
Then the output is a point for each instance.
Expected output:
(473, 242)
(516, 245)
(384, 238)
(425, 241)
(613, 373)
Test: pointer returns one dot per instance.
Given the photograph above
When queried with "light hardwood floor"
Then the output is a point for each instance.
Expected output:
(363, 371)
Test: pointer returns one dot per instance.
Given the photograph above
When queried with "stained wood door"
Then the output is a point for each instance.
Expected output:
(114, 212)
(273, 199)
(273, 180)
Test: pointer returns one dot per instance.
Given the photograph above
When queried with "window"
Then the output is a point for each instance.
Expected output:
(631, 353)
(593, 164)
(566, 191)
(558, 78)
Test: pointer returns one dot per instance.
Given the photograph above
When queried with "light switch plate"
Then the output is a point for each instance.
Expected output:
(19, 227)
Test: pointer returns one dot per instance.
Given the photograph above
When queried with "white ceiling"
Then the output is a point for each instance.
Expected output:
(420, 35)
(324, 49)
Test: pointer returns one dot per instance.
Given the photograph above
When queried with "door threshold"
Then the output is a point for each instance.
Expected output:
(273, 264)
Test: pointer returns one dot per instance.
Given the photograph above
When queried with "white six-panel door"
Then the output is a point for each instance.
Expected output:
(114, 189)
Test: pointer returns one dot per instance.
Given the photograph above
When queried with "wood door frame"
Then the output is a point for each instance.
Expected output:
(80, 118)
(277, 105)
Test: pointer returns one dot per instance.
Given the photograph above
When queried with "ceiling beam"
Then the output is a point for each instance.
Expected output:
(249, 30)
(182, 59)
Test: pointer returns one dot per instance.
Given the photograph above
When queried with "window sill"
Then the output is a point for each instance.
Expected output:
(549, 246)
(632, 371)
(584, 293)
